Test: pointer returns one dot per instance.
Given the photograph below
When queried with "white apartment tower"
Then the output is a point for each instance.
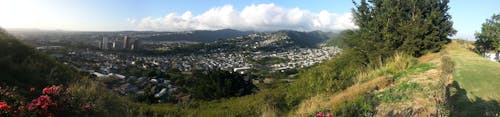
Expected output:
(105, 43)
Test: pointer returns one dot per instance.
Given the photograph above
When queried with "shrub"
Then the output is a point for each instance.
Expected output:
(401, 92)
(51, 101)
(359, 107)
(447, 65)
(216, 84)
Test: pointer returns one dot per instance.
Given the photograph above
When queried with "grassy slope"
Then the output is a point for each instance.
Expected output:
(367, 82)
(476, 91)
(415, 92)
(478, 75)
(418, 90)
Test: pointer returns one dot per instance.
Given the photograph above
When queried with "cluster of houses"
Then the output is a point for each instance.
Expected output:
(104, 64)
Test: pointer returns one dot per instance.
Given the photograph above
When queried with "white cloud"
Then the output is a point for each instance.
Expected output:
(132, 21)
(260, 17)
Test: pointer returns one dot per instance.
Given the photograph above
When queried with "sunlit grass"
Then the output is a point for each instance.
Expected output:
(478, 75)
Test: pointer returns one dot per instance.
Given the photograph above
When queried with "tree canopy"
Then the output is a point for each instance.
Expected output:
(411, 26)
(488, 39)
(216, 84)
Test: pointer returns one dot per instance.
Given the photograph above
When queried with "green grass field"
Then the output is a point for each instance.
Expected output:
(478, 75)
(476, 82)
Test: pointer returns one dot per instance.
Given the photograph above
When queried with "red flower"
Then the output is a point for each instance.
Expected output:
(53, 90)
(329, 115)
(50, 115)
(32, 89)
(4, 106)
(87, 106)
(20, 108)
(320, 114)
(42, 102)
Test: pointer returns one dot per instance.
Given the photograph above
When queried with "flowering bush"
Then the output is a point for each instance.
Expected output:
(53, 90)
(32, 89)
(4, 107)
(53, 100)
(321, 114)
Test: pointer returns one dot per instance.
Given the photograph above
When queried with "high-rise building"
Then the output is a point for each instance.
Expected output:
(114, 45)
(99, 45)
(125, 42)
(137, 45)
(105, 43)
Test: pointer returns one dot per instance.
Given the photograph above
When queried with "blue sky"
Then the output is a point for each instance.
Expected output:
(178, 15)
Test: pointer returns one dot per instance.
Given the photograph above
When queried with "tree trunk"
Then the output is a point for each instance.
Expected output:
(497, 57)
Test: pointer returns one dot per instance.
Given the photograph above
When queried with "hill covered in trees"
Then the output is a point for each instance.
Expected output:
(22, 66)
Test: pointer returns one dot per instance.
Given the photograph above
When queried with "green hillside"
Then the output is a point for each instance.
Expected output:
(22, 66)
(476, 81)
(24, 72)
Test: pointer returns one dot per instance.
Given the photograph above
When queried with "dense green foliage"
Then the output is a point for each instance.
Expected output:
(399, 93)
(216, 84)
(489, 37)
(22, 66)
(336, 40)
(411, 26)
(359, 107)
(331, 76)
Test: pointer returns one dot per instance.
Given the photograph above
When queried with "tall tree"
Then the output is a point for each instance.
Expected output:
(411, 26)
(489, 37)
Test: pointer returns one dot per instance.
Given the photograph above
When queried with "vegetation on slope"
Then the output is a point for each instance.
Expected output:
(419, 91)
(387, 27)
(25, 72)
(217, 84)
(22, 66)
(366, 81)
(415, 89)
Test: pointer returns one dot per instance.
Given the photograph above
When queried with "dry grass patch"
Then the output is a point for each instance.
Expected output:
(423, 100)
(331, 102)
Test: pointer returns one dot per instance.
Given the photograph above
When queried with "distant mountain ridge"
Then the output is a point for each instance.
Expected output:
(198, 35)
(306, 38)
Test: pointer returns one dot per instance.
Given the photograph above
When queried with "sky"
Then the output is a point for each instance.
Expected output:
(183, 15)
